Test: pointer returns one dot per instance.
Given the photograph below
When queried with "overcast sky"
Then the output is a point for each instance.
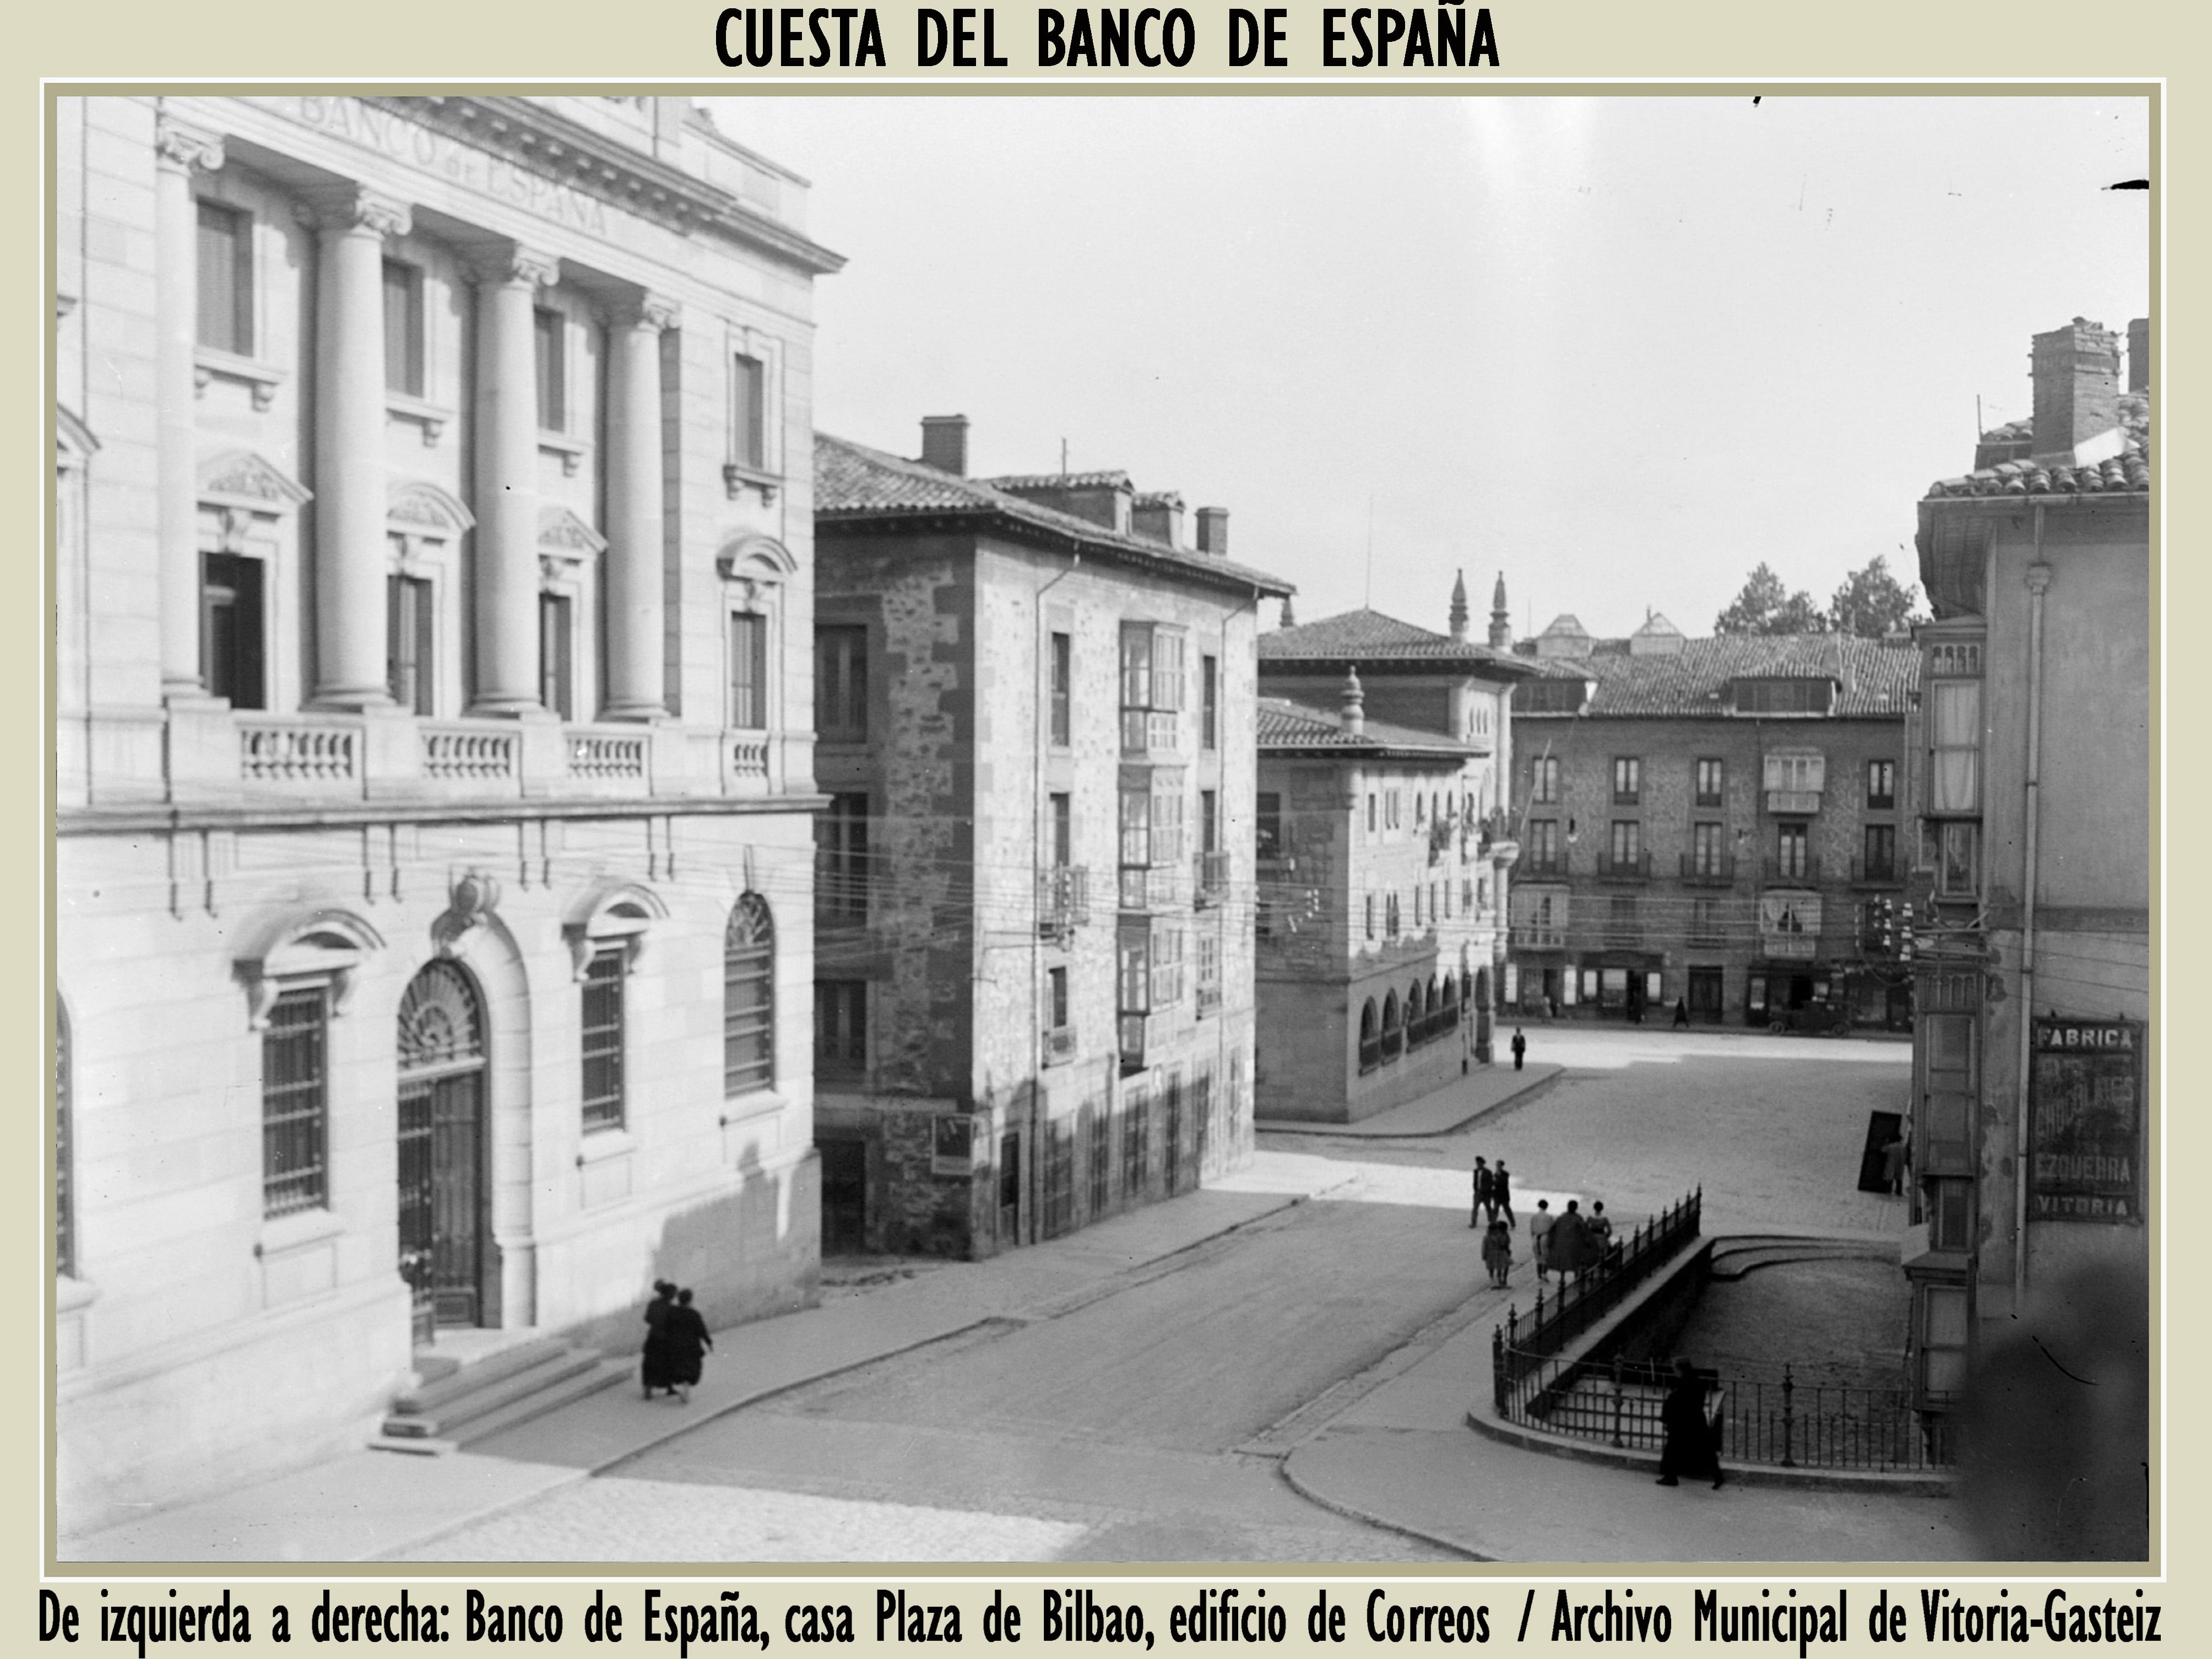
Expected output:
(1622, 349)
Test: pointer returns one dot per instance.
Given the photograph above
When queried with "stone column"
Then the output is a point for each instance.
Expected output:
(350, 499)
(506, 482)
(636, 612)
(177, 149)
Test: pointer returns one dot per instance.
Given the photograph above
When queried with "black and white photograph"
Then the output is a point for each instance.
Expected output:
(1108, 829)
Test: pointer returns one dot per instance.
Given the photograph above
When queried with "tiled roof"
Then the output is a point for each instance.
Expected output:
(1369, 637)
(1876, 678)
(1112, 478)
(855, 484)
(2126, 473)
(1287, 725)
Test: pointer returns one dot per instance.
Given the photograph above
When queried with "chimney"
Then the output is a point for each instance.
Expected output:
(945, 443)
(1501, 619)
(2139, 354)
(1459, 606)
(1213, 530)
(1355, 704)
(2077, 378)
(1157, 517)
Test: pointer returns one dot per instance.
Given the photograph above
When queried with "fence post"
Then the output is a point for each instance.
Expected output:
(1789, 1416)
(1498, 1368)
(1616, 1400)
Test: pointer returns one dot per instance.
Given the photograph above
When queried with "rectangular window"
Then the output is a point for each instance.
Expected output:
(1209, 821)
(1136, 841)
(1269, 840)
(1209, 728)
(1063, 808)
(749, 413)
(1390, 803)
(1706, 929)
(1056, 982)
(409, 619)
(841, 1027)
(748, 670)
(226, 279)
(1152, 692)
(1209, 973)
(1622, 929)
(403, 328)
(841, 684)
(1708, 855)
(557, 660)
(1793, 857)
(1950, 1215)
(1712, 777)
(1956, 856)
(1167, 964)
(1796, 775)
(841, 838)
(1371, 915)
(1102, 1159)
(1170, 844)
(231, 628)
(1882, 786)
(1783, 697)
(294, 1111)
(1370, 811)
(1955, 731)
(552, 346)
(1627, 780)
(1943, 1340)
(1134, 946)
(1063, 690)
(1136, 1151)
(603, 1039)
(1627, 846)
(1881, 851)
(1544, 845)
(1545, 785)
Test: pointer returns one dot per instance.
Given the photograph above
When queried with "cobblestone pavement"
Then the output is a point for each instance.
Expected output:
(1147, 1421)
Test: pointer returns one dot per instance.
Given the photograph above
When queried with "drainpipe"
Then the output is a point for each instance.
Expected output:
(2039, 581)
(1219, 1088)
(1037, 886)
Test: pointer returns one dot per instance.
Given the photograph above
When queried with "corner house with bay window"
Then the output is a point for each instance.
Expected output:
(434, 765)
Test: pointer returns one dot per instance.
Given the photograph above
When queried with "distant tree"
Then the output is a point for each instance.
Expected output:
(1871, 603)
(1765, 606)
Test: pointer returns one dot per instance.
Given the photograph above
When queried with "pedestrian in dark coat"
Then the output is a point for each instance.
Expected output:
(1482, 1183)
(1498, 1251)
(1691, 1448)
(1568, 1248)
(1681, 1014)
(652, 1369)
(1519, 1047)
(688, 1343)
(1501, 1192)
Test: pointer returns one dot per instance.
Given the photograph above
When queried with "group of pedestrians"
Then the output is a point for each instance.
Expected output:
(1568, 1243)
(676, 1342)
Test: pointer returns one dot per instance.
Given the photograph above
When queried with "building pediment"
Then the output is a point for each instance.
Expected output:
(243, 477)
(562, 534)
(418, 504)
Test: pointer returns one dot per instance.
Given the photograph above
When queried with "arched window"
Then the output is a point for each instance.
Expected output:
(64, 1220)
(749, 998)
(1394, 1034)
(1371, 1037)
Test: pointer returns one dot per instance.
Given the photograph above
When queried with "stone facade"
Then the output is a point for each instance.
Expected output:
(1017, 1031)
(1387, 846)
(2031, 788)
(434, 596)
(1713, 824)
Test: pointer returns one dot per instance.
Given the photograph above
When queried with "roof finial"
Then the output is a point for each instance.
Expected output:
(1459, 606)
(1501, 619)
(1355, 703)
(1289, 619)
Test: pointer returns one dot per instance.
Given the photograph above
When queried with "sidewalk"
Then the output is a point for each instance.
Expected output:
(1403, 1456)
(367, 1505)
(1457, 1103)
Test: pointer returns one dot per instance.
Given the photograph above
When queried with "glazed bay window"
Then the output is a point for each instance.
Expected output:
(748, 670)
(1209, 973)
(294, 1104)
(1951, 848)
(226, 279)
(1133, 988)
(1135, 856)
(603, 1038)
(1153, 672)
(841, 684)
(1795, 781)
(1954, 732)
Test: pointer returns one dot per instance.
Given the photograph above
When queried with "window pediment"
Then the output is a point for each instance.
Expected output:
(243, 478)
(620, 914)
(757, 558)
(325, 946)
(418, 506)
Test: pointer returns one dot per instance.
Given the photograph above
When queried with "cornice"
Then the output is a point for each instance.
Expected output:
(545, 142)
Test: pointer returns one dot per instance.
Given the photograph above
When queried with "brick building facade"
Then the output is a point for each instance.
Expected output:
(1714, 823)
(433, 763)
(1033, 992)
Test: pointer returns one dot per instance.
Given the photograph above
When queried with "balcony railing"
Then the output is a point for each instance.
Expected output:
(1211, 871)
(1539, 863)
(1793, 803)
(1059, 1045)
(1874, 872)
(1539, 938)
(1709, 870)
(1063, 900)
(1636, 866)
(1801, 870)
(279, 750)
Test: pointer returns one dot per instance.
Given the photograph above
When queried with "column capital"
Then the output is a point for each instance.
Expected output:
(520, 265)
(656, 312)
(183, 146)
(345, 208)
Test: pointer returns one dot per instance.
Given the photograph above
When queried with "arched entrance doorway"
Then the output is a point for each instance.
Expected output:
(444, 1212)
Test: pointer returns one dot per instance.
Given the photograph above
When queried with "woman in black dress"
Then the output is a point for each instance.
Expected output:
(652, 1369)
(688, 1342)
(1691, 1447)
